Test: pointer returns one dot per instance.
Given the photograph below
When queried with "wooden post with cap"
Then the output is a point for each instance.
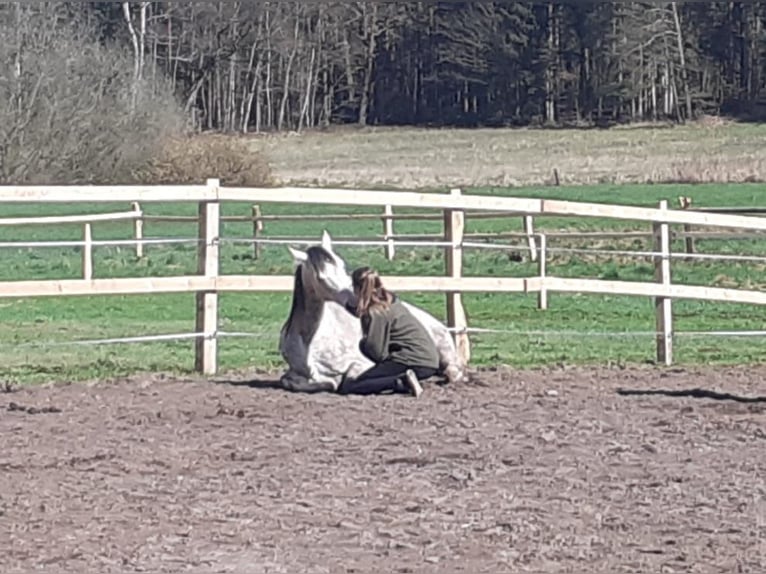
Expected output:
(663, 305)
(138, 228)
(454, 232)
(257, 230)
(87, 253)
(388, 231)
(206, 345)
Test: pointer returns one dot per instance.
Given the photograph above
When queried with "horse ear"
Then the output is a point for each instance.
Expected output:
(327, 241)
(298, 256)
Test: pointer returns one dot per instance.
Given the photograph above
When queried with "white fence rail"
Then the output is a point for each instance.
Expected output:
(454, 207)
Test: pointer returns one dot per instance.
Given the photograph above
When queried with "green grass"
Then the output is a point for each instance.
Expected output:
(535, 337)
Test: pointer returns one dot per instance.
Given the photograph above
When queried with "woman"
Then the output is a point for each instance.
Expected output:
(398, 344)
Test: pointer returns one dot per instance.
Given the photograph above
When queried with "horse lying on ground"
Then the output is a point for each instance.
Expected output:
(320, 338)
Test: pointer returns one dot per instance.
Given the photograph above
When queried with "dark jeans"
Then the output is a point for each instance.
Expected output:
(385, 376)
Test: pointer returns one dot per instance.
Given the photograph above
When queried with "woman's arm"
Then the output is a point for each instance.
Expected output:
(377, 333)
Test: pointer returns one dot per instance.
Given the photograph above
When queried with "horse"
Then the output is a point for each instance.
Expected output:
(320, 338)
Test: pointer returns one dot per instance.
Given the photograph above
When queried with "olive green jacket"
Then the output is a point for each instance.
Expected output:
(396, 335)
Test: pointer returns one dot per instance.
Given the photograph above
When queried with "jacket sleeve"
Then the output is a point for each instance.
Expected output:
(375, 343)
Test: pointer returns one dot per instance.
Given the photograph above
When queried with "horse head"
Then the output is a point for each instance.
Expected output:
(323, 272)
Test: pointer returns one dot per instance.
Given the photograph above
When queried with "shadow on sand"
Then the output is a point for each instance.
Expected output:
(251, 383)
(690, 394)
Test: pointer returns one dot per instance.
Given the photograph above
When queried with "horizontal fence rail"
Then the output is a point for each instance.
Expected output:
(63, 219)
(455, 209)
(405, 284)
(359, 198)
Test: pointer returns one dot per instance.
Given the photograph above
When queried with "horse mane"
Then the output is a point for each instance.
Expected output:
(298, 302)
(317, 256)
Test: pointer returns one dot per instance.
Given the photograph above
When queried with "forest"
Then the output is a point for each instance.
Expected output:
(287, 65)
(73, 74)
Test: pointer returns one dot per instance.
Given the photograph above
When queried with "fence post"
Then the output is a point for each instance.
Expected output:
(87, 253)
(686, 203)
(257, 230)
(454, 231)
(138, 228)
(206, 348)
(529, 229)
(663, 305)
(542, 296)
(388, 231)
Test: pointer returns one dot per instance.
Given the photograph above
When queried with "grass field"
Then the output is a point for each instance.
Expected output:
(579, 328)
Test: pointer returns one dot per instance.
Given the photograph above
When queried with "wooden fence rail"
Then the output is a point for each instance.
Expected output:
(455, 207)
(388, 217)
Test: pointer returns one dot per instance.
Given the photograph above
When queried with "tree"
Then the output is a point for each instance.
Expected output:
(267, 65)
(68, 113)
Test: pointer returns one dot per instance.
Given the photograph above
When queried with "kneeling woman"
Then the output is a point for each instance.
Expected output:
(398, 344)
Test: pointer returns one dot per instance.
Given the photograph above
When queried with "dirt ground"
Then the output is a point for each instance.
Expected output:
(543, 471)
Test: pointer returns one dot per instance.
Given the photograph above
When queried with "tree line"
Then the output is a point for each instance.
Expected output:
(257, 66)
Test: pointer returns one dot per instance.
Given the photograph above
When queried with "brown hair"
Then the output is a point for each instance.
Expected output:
(371, 295)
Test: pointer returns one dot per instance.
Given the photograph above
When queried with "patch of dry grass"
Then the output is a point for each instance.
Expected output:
(713, 152)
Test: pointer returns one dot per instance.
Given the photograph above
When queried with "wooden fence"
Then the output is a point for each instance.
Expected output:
(258, 220)
(454, 207)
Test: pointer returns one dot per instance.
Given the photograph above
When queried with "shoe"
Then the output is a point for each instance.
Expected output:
(413, 384)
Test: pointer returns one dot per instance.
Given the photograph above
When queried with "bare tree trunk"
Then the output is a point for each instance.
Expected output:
(172, 64)
(654, 90)
(218, 97)
(136, 50)
(756, 53)
(550, 104)
(641, 111)
(155, 62)
(666, 88)
(144, 6)
(288, 72)
(255, 83)
(682, 57)
(327, 88)
(371, 26)
(304, 115)
(18, 60)
(319, 45)
(246, 102)
(194, 93)
(328, 97)
(311, 116)
(138, 41)
(350, 81)
(231, 95)
(269, 105)
(255, 90)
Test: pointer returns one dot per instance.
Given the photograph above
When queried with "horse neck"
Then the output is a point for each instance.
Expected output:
(307, 308)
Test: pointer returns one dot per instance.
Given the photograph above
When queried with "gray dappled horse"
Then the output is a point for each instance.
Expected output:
(320, 339)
